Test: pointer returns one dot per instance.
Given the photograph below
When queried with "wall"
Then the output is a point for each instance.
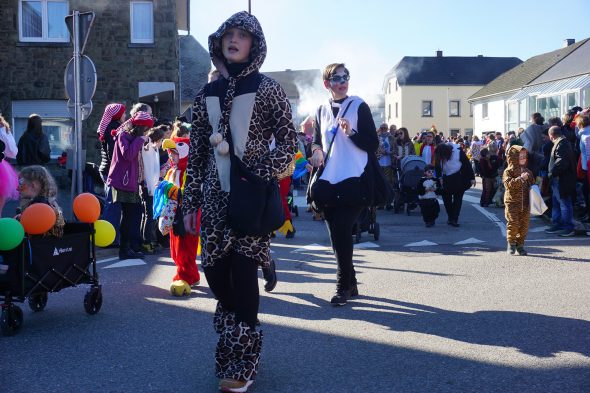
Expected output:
(35, 71)
(495, 120)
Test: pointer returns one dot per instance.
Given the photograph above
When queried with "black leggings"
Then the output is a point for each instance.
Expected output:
(340, 222)
(130, 226)
(453, 202)
(234, 282)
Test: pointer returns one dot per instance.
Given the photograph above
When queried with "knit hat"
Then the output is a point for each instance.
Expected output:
(111, 112)
(142, 119)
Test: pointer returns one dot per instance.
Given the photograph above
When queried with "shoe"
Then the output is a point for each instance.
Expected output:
(147, 248)
(453, 224)
(340, 297)
(232, 385)
(290, 234)
(567, 233)
(553, 229)
(354, 290)
(521, 251)
(270, 276)
(511, 249)
(130, 254)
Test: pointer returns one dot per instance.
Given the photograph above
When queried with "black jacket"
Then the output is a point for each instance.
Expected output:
(562, 165)
(106, 149)
(33, 150)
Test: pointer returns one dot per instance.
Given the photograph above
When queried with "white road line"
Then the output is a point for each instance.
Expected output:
(126, 262)
(312, 247)
(366, 245)
(107, 260)
(491, 216)
(471, 240)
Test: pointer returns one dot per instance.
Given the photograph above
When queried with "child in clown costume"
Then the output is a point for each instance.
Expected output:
(183, 248)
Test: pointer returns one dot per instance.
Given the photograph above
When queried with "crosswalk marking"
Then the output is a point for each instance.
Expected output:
(471, 240)
(126, 262)
(312, 247)
(423, 243)
(366, 245)
(107, 260)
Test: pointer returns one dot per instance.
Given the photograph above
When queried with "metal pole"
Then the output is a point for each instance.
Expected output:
(77, 103)
(249, 6)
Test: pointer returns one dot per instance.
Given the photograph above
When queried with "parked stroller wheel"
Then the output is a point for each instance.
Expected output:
(38, 302)
(11, 320)
(376, 231)
(93, 301)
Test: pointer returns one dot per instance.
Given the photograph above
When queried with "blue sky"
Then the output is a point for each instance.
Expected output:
(371, 36)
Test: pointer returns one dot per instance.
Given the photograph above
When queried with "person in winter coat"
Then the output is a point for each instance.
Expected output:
(346, 122)
(33, 145)
(562, 174)
(230, 260)
(532, 139)
(113, 116)
(517, 179)
(125, 177)
(583, 124)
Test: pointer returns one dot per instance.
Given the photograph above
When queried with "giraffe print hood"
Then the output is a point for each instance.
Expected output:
(249, 23)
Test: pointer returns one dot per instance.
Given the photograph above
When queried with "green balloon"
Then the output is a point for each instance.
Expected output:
(11, 233)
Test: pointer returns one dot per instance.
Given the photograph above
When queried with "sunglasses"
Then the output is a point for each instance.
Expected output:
(342, 79)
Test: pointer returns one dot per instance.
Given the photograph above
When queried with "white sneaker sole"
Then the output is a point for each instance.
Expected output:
(237, 390)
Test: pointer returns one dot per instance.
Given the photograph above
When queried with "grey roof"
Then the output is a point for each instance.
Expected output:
(451, 70)
(195, 64)
(576, 63)
(291, 79)
(525, 73)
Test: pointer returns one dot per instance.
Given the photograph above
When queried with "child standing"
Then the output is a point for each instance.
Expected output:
(151, 176)
(427, 188)
(517, 180)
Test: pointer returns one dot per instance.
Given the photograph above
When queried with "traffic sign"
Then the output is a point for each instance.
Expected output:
(85, 109)
(87, 80)
(86, 19)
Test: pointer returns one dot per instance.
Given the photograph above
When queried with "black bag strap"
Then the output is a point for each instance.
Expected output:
(334, 137)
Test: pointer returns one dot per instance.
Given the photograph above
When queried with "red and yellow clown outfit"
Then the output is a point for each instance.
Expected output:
(183, 249)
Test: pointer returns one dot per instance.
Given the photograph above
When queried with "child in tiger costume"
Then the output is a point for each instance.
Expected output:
(517, 180)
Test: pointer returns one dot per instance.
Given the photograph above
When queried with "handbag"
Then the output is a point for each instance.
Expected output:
(537, 203)
(255, 206)
(349, 192)
(167, 217)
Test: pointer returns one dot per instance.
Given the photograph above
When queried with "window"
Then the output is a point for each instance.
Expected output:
(426, 108)
(454, 108)
(389, 88)
(549, 106)
(43, 21)
(396, 85)
(455, 131)
(571, 100)
(470, 110)
(142, 22)
(512, 116)
(469, 132)
(396, 110)
(484, 110)
(522, 114)
(389, 111)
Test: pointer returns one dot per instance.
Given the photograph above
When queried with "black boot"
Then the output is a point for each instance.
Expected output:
(270, 276)
(521, 251)
(340, 297)
(511, 249)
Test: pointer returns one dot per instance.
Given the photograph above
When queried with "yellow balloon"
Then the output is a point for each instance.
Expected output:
(105, 233)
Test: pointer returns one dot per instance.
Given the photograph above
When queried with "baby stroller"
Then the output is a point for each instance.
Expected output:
(367, 222)
(410, 170)
(48, 264)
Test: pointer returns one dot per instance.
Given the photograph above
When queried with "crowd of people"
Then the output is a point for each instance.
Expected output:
(174, 179)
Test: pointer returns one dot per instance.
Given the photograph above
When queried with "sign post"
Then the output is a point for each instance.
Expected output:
(79, 92)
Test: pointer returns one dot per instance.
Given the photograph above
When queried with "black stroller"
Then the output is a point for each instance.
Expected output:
(40, 265)
(367, 222)
(409, 172)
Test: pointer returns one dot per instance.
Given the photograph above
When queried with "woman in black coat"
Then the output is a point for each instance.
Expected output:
(33, 146)
(454, 168)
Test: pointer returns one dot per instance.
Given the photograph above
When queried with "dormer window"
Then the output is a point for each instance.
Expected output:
(142, 22)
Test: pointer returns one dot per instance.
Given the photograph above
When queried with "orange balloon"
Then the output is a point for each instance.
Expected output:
(38, 218)
(86, 208)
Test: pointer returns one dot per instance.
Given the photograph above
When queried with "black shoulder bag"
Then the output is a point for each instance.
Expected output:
(255, 207)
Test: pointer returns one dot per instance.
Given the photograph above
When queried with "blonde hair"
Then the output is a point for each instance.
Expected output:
(41, 175)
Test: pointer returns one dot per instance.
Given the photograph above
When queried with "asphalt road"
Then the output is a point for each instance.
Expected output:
(440, 309)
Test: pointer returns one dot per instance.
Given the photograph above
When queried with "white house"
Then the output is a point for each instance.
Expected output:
(550, 83)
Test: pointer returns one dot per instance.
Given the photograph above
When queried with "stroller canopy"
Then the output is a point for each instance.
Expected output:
(412, 163)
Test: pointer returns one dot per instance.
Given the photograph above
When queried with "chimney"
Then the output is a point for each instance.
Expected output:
(569, 41)
(439, 53)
